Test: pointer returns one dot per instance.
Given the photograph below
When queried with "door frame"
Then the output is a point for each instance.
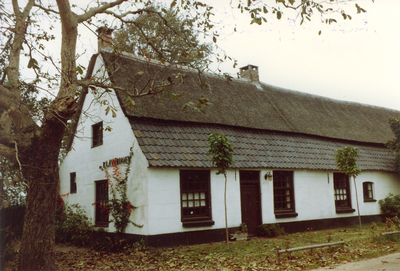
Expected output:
(256, 182)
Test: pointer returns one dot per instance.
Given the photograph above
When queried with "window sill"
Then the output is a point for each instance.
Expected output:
(369, 200)
(201, 223)
(286, 214)
(95, 146)
(345, 211)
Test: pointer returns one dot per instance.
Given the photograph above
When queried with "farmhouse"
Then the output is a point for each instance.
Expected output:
(284, 142)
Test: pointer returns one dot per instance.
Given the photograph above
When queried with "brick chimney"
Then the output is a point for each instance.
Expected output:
(250, 72)
(104, 37)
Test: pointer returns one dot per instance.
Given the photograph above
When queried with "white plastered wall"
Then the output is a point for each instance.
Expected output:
(165, 206)
(314, 195)
(314, 198)
(85, 160)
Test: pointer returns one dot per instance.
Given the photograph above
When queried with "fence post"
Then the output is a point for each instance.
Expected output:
(277, 254)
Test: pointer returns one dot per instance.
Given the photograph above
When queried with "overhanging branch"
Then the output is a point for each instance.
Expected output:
(101, 9)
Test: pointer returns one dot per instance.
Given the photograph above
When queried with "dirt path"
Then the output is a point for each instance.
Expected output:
(389, 262)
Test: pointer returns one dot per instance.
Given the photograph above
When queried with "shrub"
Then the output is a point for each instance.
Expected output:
(12, 218)
(11, 225)
(270, 230)
(390, 206)
(110, 242)
(72, 225)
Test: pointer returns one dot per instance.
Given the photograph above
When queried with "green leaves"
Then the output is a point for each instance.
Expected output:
(129, 102)
(33, 64)
(79, 69)
(113, 111)
(394, 144)
(278, 15)
(170, 33)
(202, 101)
(346, 160)
(221, 151)
(359, 9)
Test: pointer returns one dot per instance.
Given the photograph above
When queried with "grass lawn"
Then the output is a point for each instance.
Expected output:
(254, 254)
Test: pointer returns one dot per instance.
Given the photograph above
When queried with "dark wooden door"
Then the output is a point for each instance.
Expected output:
(250, 200)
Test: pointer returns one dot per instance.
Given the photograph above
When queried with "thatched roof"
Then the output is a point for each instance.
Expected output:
(240, 103)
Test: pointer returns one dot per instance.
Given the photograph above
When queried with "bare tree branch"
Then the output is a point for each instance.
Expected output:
(16, 110)
(15, 7)
(133, 12)
(47, 10)
(19, 37)
(101, 9)
(68, 49)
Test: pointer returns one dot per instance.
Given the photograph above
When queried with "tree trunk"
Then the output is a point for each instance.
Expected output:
(358, 207)
(226, 215)
(41, 172)
(38, 239)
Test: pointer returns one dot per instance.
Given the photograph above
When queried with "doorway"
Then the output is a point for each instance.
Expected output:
(250, 200)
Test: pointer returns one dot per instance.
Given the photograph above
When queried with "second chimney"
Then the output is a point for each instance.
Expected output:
(104, 38)
(250, 72)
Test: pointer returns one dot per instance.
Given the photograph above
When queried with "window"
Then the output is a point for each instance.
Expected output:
(195, 198)
(101, 203)
(342, 193)
(97, 134)
(283, 194)
(368, 192)
(72, 182)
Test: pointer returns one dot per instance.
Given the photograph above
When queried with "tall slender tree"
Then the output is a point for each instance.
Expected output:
(346, 160)
(221, 152)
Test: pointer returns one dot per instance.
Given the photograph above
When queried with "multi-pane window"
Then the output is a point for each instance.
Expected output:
(195, 195)
(368, 191)
(101, 203)
(97, 134)
(72, 182)
(342, 193)
(283, 194)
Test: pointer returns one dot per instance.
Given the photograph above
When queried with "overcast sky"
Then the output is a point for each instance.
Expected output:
(357, 60)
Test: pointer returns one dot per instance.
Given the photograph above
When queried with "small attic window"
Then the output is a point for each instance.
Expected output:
(97, 134)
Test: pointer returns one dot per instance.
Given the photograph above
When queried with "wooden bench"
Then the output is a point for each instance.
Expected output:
(389, 233)
(280, 251)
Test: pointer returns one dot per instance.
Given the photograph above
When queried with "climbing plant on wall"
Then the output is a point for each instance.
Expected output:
(118, 205)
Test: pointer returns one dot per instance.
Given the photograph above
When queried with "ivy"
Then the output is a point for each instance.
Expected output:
(119, 206)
